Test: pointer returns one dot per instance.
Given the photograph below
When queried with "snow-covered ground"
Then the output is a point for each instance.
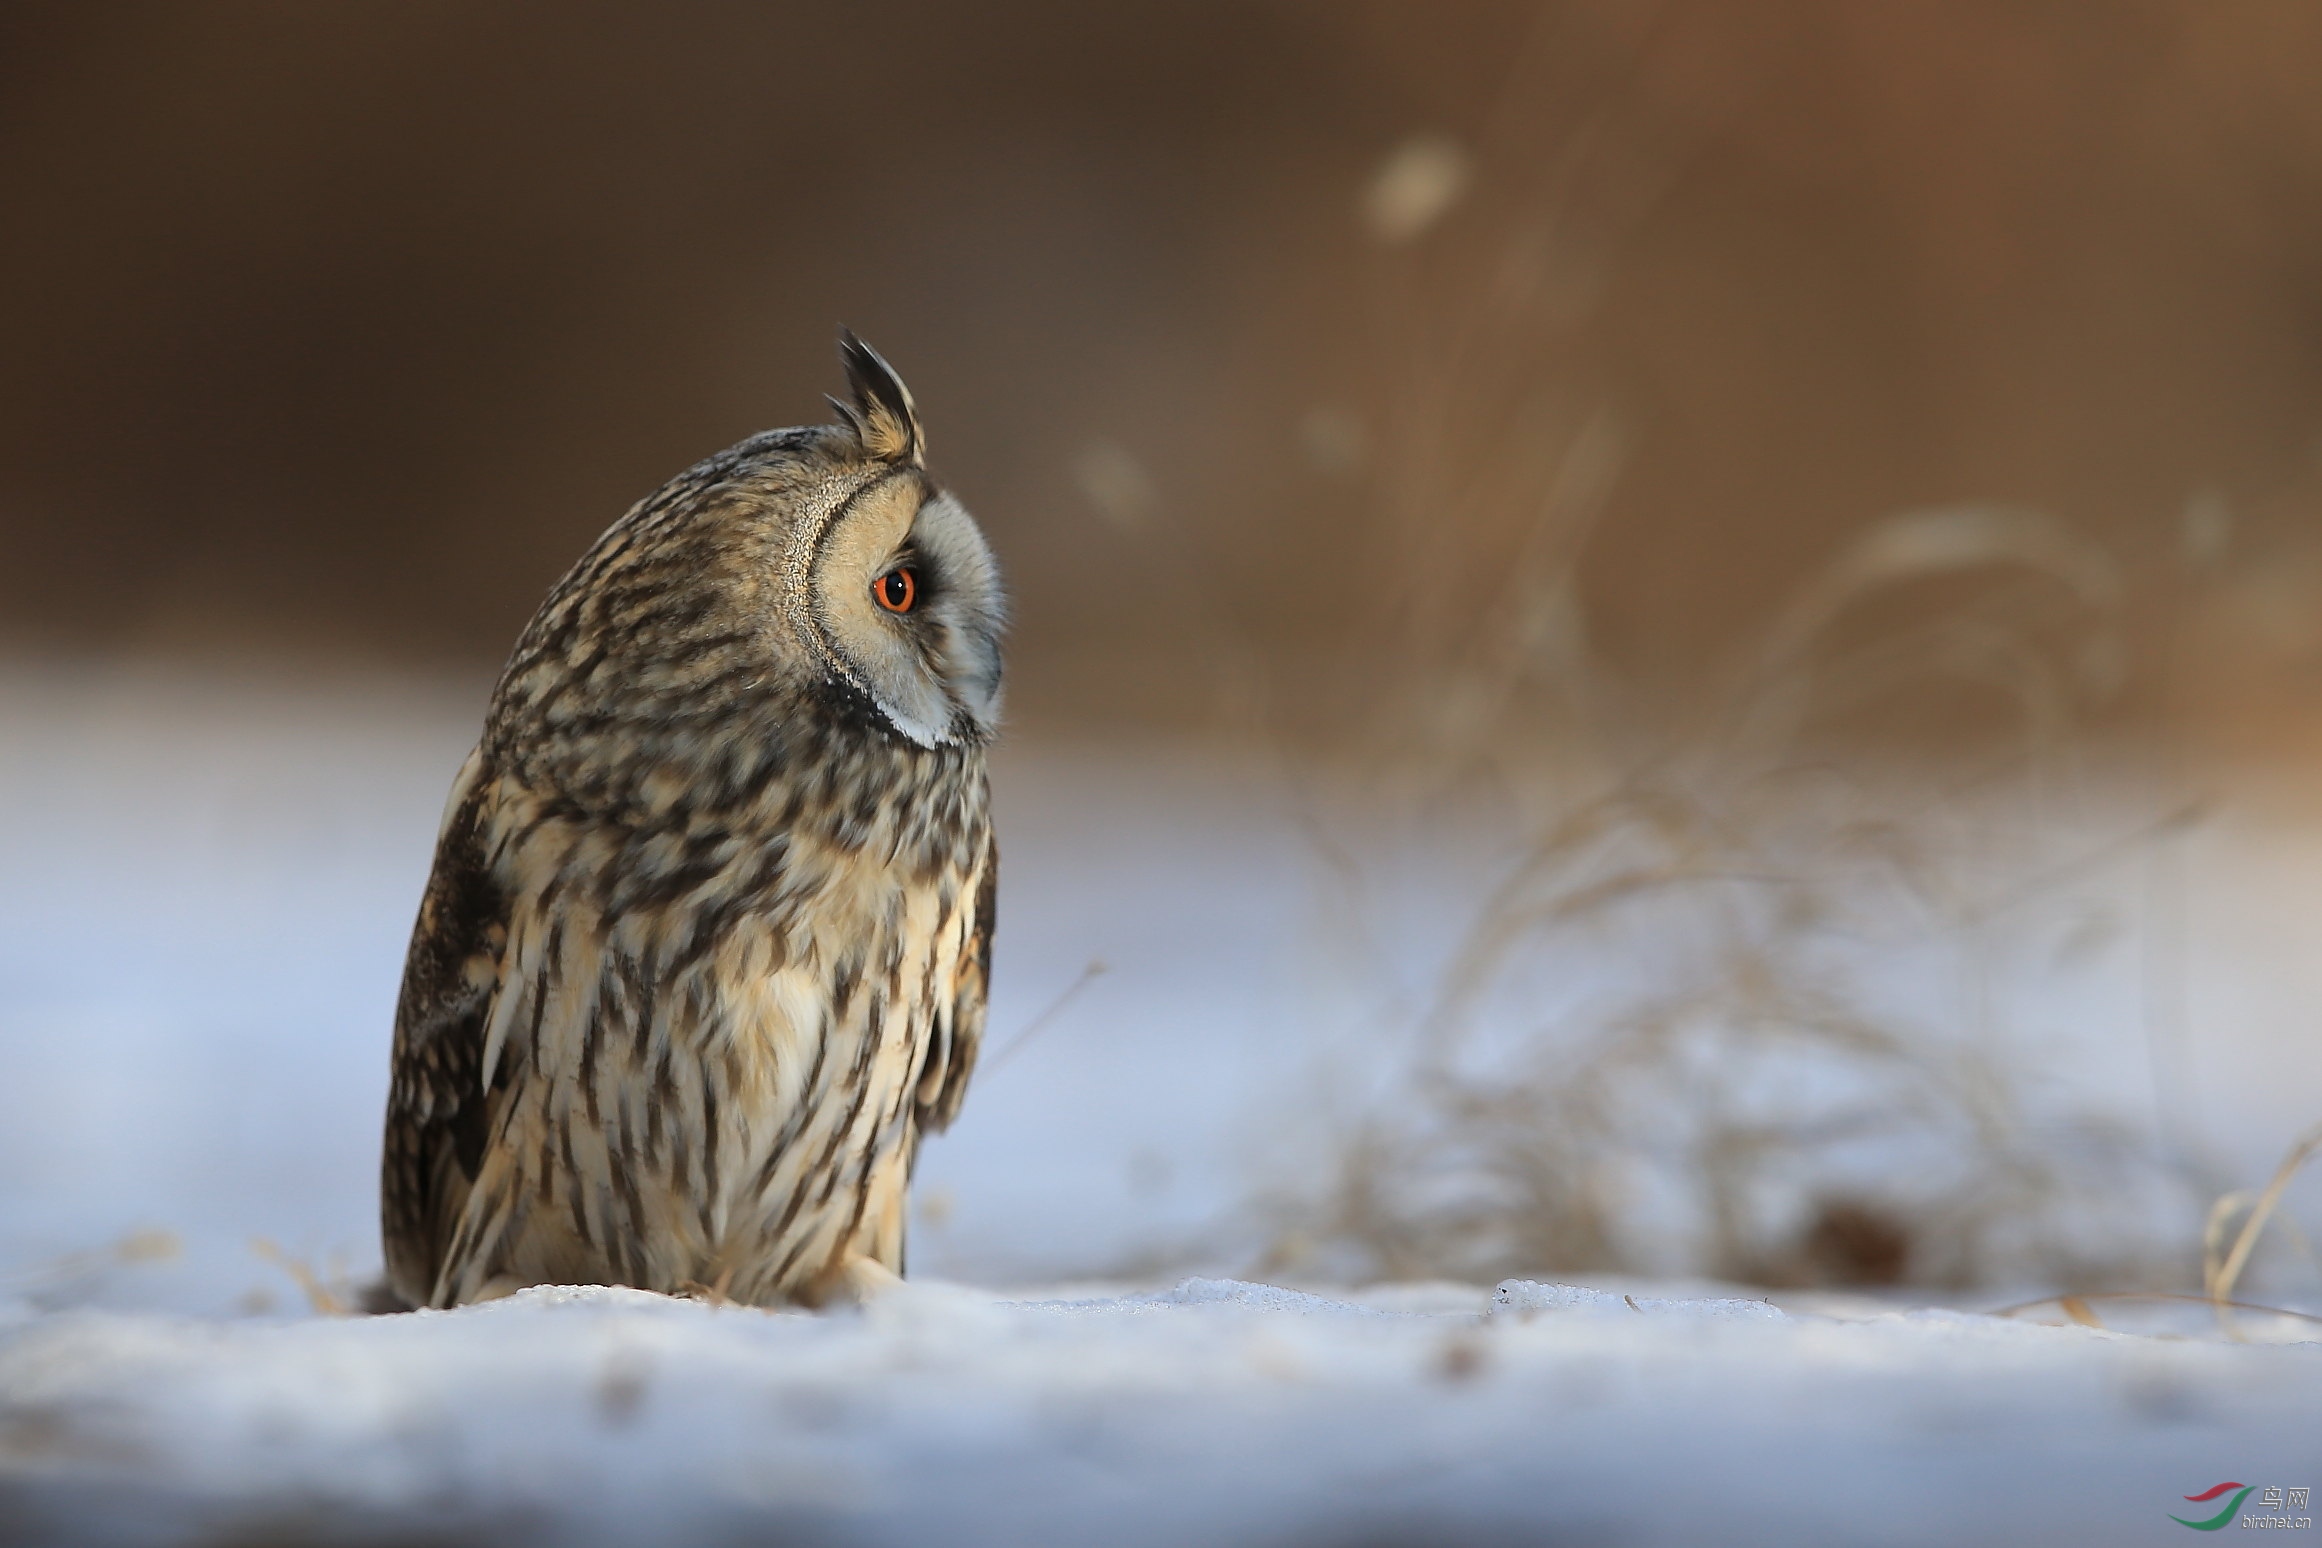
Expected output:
(1214, 1413)
(205, 886)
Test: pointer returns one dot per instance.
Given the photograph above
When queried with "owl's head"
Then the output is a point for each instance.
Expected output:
(818, 564)
(884, 580)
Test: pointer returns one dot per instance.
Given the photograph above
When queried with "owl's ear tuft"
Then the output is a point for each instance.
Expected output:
(881, 415)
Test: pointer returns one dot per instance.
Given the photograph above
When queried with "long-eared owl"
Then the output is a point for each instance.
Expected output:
(705, 947)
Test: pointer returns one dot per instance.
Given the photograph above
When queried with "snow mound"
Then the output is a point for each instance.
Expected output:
(1214, 1412)
(1524, 1295)
(1231, 1294)
(1250, 1297)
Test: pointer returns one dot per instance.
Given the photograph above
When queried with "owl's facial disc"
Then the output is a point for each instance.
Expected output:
(908, 601)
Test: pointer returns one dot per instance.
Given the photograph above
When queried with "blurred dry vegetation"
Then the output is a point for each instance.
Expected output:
(1770, 458)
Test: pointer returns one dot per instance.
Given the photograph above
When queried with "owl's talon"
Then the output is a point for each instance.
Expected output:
(857, 1281)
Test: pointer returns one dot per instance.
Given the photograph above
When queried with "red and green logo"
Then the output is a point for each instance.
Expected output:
(2223, 1516)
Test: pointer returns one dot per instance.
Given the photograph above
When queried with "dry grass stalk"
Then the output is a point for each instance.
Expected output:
(2077, 1308)
(326, 1297)
(2220, 1274)
(75, 1275)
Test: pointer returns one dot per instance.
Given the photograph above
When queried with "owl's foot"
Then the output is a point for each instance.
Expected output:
(499, 1287)
(854, 1281)
(713, 1292)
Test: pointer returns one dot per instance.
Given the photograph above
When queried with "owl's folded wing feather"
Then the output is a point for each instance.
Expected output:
(438, 1111)
(952, 1054)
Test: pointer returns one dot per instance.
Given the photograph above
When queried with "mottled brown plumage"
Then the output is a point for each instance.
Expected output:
(705, 947)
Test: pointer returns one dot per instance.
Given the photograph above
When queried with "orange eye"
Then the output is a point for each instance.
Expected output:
(897, 591)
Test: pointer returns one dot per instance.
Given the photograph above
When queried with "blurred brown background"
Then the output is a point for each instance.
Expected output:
(339, 330)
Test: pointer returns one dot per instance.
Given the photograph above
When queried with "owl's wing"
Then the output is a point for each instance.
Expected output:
(438, 1111)
(951, 1056)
